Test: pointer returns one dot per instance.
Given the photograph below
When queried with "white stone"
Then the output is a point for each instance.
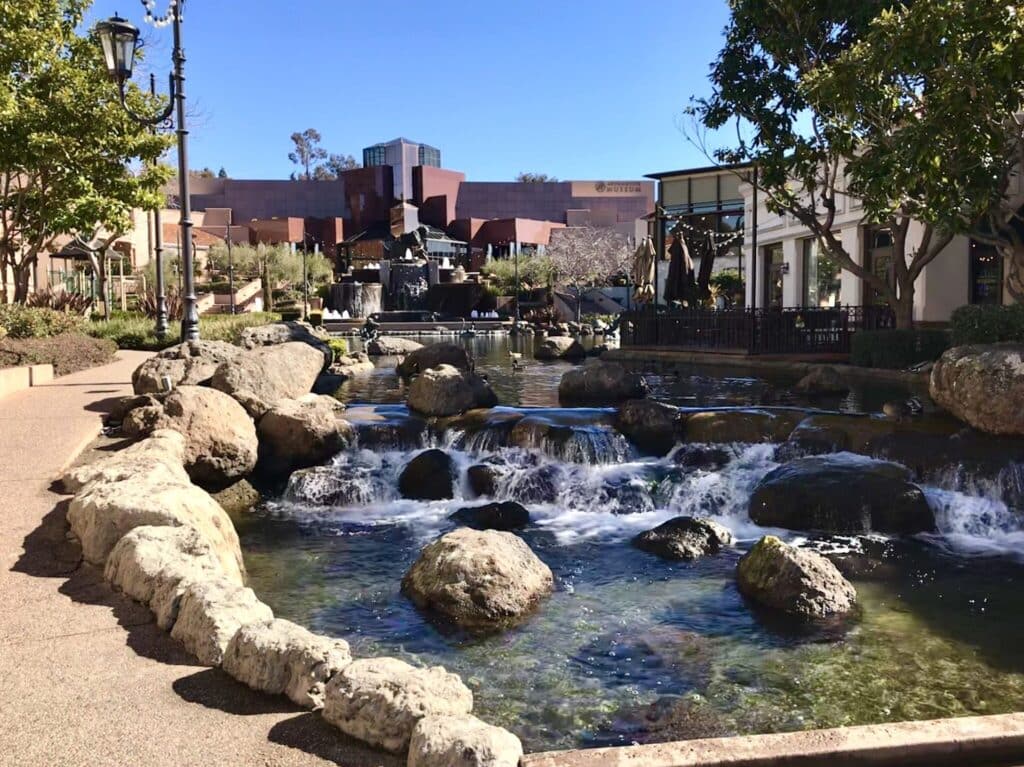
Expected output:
(165, 448)
(380, 700)
(462, 741)
(211, 612)
(281, 657)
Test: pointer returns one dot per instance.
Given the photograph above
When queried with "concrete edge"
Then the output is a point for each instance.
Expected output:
(19, 378)
(972, 740)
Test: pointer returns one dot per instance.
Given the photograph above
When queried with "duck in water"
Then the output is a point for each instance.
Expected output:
(898, 410)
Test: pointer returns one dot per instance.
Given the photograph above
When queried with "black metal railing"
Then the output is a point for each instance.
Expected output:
(797, 330)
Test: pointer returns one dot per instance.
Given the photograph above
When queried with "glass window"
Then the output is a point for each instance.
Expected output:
(878, 260)
(773, 272)
(675, 192)
(822, 276)
(704, 190)
(986, 274)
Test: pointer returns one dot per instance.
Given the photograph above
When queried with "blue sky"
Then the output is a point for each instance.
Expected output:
(586, 89)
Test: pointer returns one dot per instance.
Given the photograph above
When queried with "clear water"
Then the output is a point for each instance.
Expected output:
(630, 647)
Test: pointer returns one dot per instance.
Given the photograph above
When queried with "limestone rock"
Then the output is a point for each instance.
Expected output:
(982, 385)
(478, 579)
(380, 700)
(349, 365)
(164, 448)
(503, 515)
(430, 476)
(391, 346)
(822, 380)
(275, 333)
(211, 612)
(433, 356)
(297, 433)
(653, 427)
(445, 390)
(238, 498)
(794, 580)
(262, 377)
(684, 538)
(601, 383)
(189, 364)
(462, 741)
(102, 512)
(837, 494)
(560, 348)
(282, 658)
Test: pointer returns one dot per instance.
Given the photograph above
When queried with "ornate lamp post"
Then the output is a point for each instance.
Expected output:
(119, 40)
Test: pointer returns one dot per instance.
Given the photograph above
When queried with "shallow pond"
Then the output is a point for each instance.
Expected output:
(631, 647)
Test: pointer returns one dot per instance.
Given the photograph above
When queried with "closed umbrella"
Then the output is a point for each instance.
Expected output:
(643, 272)
(681, 284)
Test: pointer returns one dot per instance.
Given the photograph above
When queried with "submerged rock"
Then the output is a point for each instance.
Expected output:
(430, 476)
(601, 383)
(822, 380)
(478, 579)
(839, 495)
(391, 346)
(982, 385)
(560, 348)
(330, 486)
(504, 515)
(796, 581)
(539, 485)
(684, 538)
(752, 426)
(445, 390)
(704, 457)
(653, 427)
(433, 356)
(482, 480)
(238, 498)
(189, 364)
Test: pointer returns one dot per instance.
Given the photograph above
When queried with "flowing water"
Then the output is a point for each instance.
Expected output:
(631, 647)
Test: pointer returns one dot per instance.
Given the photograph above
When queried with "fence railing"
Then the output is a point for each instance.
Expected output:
(797, 330)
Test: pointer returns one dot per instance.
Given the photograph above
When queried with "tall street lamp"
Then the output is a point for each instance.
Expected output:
(119, 40)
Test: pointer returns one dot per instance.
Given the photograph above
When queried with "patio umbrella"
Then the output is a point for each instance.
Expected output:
(643, 272)
(681, 284)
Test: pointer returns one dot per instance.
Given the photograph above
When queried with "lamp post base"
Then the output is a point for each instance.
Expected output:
(190, 320)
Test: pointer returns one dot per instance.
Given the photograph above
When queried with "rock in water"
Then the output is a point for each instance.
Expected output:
(276, 333)
(796, 581)
(684, 538)
(560, 348)
(478, 579)
(822, 379)
(297, 433)
(482, 480)
(982, 385)
(189, 364)
(462, 741)
(652, 426)
(264, 376)
(430, 476)
(391, 346)
(445, 390)
(504, 515)
(753, 426)
(433, 356)
(841, 494)
(601, 383)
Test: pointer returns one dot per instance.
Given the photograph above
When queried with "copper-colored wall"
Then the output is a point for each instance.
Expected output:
(436, 191)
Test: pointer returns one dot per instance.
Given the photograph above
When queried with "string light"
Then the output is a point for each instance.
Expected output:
(174, 7)
(718, 239)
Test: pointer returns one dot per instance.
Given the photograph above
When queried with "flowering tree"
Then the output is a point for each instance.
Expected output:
(582, 256)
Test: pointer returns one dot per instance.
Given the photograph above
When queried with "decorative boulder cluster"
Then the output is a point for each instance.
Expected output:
(982, 385)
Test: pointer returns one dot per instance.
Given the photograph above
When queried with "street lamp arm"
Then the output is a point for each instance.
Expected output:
(155, 120)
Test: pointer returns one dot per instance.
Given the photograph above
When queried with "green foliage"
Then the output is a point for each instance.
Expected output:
(896, 349)
(19, 321)
(338, 346)
(61, 300)
(534, 271)
(727, 282)
(136, 331)
(987, 324)
(285, 267)
(535, 178)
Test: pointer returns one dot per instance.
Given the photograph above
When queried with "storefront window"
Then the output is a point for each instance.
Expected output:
(878, 261)
(986, 274)
(822, 276)
(774, 270)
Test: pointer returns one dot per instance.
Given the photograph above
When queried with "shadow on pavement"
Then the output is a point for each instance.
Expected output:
(213, 688)
(311, 734)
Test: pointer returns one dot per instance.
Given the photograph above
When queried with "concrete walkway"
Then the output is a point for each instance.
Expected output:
(86, 677)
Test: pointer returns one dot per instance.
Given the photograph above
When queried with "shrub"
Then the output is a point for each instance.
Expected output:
(338, 346)
(896, 349)
(37, 322)
(68, 352)
(60, 300)
(137, 331)
(172, 302)
(987, 324)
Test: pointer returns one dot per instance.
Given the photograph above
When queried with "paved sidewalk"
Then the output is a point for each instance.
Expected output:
(86, 677)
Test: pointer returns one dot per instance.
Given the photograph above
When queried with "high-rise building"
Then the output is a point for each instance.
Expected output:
(402, 155)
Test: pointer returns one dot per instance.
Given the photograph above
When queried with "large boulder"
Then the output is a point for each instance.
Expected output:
(262, 377)
(435, 355)
(653, 427)
(349, 365)
(276, 333)
(189, 364)
(282, 658)
(841, 494)
(560, 348)
(210, 614)
(391, 346)
(796, 581)
(503, 515)
(162, 451)
(430, 476)
(381, 700)
(724, 426)
(220, 438)
(983, 386)
(601, 383)
(822, 380)
(480, 579)
(102, 512)
(684, 538)
(446, 390)
(297, 433)
(462, 741)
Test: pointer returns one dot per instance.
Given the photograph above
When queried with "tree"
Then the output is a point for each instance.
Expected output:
(535, 178)
(585, 255)
(308, 152)
(202, 173)
(337, 164)
(222, 173)
(65, 141)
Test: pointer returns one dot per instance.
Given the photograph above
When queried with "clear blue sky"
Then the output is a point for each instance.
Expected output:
(587, 89)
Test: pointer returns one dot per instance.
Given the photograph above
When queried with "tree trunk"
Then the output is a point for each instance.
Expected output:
(579, 304)
(22, 272)
(903, 307)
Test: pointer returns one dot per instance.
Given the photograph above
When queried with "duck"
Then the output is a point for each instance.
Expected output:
(517, 360)
(902, 409)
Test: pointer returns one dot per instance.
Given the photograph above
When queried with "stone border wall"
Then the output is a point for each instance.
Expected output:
(20, 378)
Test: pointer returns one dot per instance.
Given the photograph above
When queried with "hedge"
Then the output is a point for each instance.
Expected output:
(897, 349)
(19, 321)
(137, 331)
(987, 324)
